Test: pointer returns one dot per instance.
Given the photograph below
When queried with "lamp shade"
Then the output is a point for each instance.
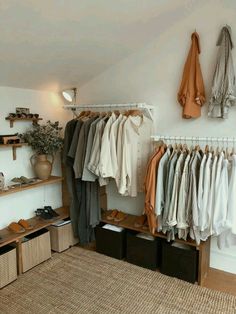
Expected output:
(69, 94)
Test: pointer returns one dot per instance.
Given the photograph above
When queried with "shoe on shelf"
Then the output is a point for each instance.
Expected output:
(24, 223)
(140, 221)
(41, 212)
(120, 216)
(51, 211)
(16, 228)
(112, 215)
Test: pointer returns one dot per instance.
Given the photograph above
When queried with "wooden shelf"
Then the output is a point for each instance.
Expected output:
(12, 120)
(51, 180)
(14, 147)
(38, 223)
(129, 222)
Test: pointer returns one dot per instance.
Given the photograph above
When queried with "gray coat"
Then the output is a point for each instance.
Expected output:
(223, 89)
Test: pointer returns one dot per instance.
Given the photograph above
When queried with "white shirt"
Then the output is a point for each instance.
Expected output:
(182, 224)
(217, 184)
(228, 237)
(211, 199)
(105, 163)
(119, 150)
(137, 146)
(220, 211)
(113, 145)
(200, 190)
(204, 222)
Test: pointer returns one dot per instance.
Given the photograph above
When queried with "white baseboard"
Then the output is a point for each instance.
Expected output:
(223, 261)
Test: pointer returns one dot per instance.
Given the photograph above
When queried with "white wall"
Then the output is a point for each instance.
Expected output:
(153, 75)
(22, 204)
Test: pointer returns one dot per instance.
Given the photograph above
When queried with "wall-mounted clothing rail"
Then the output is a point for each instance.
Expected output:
(197, 139)
(143, 106)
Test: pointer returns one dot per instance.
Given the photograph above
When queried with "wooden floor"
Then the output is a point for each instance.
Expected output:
(221, 281)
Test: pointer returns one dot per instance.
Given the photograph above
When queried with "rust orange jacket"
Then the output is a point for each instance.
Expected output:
(150, 188)
(191, 95)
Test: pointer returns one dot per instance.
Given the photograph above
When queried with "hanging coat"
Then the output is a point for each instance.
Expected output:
(191, 95)
(223, 89)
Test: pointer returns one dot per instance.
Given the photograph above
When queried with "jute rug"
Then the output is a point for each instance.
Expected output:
(81, 281)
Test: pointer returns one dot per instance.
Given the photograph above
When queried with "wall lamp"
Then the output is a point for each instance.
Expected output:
(70, 95)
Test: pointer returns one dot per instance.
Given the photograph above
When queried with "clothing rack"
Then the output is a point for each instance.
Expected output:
(195, 139)
(143, 106)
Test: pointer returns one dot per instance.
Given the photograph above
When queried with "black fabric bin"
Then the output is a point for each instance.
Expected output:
(142, 252)
(110, 242)
(179, 262)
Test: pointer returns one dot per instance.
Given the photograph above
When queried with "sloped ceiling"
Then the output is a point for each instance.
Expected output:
(63, 43)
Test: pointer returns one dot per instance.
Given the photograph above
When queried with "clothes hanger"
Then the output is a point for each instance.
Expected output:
(135, 112)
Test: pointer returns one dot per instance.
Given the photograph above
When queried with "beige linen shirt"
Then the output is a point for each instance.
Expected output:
(136, 152)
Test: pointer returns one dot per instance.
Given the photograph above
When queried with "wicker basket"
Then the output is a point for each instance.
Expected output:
(36, 249)
(8, 265)
(62, 237)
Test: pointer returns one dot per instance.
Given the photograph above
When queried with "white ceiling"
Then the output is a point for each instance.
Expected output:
(55, 44)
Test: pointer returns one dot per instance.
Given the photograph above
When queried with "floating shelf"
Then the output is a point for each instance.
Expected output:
(14, 147)
(38, 223)
(51, 180)
(12, 120)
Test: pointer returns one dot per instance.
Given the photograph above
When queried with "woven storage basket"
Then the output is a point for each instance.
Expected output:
(36, 250)
(8, 265)
(62, 237)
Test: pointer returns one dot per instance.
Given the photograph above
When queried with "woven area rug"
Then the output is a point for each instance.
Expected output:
(81, 281)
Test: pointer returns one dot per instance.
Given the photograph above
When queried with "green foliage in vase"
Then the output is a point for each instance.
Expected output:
(44, 139)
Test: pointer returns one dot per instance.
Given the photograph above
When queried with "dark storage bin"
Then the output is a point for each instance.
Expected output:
(110, 242)
(180, 262)
(143, 252)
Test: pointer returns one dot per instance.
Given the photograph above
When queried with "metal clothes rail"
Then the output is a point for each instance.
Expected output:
(148, 108)
(197, 139)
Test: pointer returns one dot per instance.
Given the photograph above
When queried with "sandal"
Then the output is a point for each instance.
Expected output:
(16, 228)
(120, 216)
(140, 221)
(112, 215)
(24, 223)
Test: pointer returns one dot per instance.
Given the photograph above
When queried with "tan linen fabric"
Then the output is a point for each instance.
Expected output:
(191, 95)
(150, 189)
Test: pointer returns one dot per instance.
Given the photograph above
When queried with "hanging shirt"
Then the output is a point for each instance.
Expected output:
(172, 214)
(182, 200)
(105, 161)
(217, 184)
(193, 199)
(228, 237)
(160, 188)
(204, 221)
(223, 89)
(220, 210)
(136, 152)
(96, 147)
(169, 188)
(113, 146)
(87, 174)
(191, 95)
(212, 196)
(119, 151)
(81, 147)
(150, 189)
(201, 190)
